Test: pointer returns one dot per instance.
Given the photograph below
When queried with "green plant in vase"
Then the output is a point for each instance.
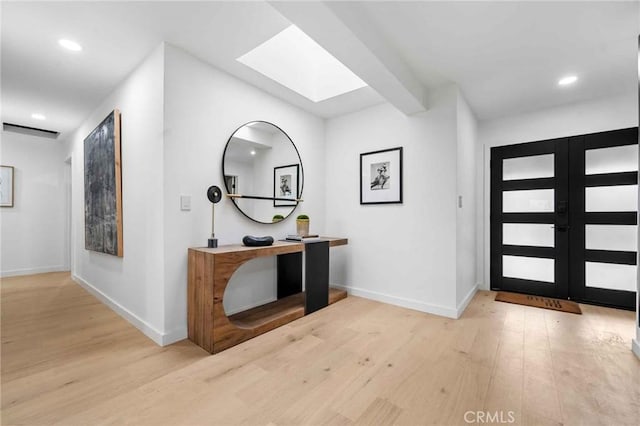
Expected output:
(302, 225)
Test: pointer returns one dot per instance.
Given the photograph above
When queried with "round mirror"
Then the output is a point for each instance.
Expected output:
(262, 172)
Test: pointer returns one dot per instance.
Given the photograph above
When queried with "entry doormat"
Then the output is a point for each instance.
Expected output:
(539, 302)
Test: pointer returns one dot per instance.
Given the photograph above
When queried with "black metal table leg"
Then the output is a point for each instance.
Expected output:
(316, 272)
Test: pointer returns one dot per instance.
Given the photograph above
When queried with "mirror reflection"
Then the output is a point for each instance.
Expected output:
(262, 166)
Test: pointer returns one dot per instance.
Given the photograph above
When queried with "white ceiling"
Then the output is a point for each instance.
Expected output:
(506, 57)
(40, 76)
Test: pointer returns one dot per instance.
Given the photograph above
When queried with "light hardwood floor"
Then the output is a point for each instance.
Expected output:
(67, 359)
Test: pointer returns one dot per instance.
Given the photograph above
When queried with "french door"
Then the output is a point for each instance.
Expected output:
(564, 218)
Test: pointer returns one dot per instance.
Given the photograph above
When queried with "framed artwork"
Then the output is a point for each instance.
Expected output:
(6, 186)
(231, 182)
(381, 177)
(285, 185)
(103, 188)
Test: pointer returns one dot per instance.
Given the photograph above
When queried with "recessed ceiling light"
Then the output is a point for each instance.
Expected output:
(253, 153)
(565, 81)
(38, 116)
(297, 62)
(70, 45)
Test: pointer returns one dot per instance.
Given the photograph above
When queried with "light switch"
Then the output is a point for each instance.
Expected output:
(185, 202)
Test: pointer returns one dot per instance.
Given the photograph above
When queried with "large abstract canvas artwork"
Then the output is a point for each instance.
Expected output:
(103, 188)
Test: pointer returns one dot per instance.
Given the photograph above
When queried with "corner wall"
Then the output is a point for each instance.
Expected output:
(177, 114)
(405, 254)
(466, 273)
(132, 285)
(33, 231)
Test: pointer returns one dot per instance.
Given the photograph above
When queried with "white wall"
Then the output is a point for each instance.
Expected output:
(466, 276)
(569, 120)
(203, 107)
(134, 284)
(34, 230)
(403, 254)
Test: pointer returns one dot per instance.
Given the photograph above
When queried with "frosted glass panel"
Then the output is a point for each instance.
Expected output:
(528, 268)
(610, 276)
(528, 234)
(533, 201)
(533, 167)
(611, 237)
(611, 160)
(621, 198)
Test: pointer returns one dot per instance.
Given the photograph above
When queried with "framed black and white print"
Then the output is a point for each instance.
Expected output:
(6, 186)
(285, 185)
(381, 177)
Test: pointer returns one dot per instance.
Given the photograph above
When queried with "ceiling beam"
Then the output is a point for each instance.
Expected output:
(343, 30)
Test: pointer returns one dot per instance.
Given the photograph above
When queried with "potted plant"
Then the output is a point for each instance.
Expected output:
(302, 225)
(277, 218)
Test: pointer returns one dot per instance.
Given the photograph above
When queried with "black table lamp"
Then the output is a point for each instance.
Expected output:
(214, 194)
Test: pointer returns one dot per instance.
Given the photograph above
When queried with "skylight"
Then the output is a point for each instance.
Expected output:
(294, 60)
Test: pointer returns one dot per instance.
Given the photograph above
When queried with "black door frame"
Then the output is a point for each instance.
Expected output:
(569, 252)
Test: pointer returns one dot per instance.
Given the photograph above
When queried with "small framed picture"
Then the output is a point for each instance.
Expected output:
(285, 185)
(6, 186)
(381, 177)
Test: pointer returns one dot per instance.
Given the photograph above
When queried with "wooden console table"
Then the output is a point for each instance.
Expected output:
(210, 270)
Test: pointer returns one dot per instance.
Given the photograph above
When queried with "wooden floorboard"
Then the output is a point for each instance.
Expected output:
(69, 360)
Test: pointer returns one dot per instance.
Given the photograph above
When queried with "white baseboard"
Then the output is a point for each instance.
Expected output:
(149, 331)
(635, 347)
(400, 301)
(465, 302)
(32, 271)
(174, 336)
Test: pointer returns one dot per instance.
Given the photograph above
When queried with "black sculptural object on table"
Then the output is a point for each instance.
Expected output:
(251, 241)
(214, 194)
